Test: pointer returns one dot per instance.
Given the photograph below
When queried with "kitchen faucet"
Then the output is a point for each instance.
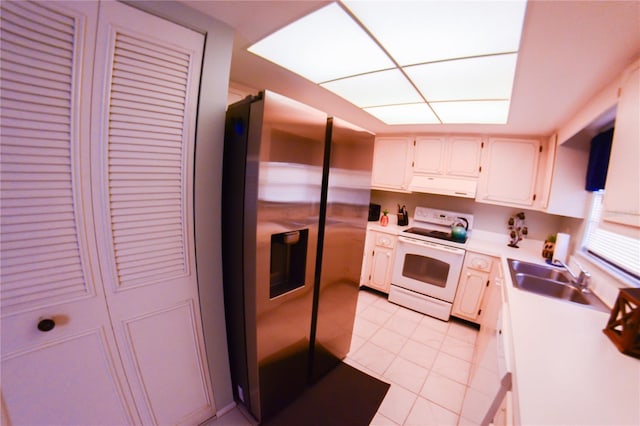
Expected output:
(582, 280)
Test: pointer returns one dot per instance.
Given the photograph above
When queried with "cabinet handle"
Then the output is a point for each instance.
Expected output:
(46, 324)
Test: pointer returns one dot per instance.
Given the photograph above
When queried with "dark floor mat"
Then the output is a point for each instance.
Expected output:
(345, 397)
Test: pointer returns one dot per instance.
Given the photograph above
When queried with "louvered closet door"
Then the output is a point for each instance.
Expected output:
(71, 374)
(143, 151)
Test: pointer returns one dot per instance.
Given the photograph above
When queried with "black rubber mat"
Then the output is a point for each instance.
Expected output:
(344, 397)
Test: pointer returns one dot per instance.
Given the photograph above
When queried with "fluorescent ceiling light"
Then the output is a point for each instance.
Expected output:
(393, 58)
(485, 77)
(375, 89)
(414, 32)
(404, 114)
(472, 112)
(322, 46)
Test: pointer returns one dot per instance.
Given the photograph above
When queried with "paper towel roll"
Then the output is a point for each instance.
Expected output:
(562, 247)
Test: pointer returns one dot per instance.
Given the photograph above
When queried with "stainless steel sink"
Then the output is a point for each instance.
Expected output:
(550, 288)
(551, 281)
(541, 271)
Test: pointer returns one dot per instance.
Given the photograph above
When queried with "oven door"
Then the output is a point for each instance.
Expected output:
(427, 268)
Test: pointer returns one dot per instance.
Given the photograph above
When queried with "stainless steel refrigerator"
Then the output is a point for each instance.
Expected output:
(295, 207)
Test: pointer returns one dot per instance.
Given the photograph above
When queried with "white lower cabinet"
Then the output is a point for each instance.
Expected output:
(504, 416)
(379, 260)
(474, 281)
(488, 399)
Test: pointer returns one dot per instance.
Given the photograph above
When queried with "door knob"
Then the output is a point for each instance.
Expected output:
(46, 324)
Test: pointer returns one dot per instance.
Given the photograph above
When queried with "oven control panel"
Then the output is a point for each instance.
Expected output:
(440, 217)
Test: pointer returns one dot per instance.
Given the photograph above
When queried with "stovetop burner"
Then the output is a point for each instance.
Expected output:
(435, 226)
(433, 233)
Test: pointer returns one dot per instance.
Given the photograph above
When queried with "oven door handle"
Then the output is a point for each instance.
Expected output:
(431, 245)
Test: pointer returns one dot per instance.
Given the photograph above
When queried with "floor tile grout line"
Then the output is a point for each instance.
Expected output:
(430, 370)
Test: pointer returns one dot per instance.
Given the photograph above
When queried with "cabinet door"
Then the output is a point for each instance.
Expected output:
(381, 268)
(367, 257)
(504, 416)
(622, 191)
(564, 193)
(463, 158)
(142, 177)
(429, 155)
(509, 172)
(469, 295)
(391, 163)
(71, 374)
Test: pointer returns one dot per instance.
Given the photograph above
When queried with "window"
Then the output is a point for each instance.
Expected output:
(620, 252)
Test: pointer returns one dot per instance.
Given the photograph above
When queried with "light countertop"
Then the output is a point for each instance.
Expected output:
(566, 370)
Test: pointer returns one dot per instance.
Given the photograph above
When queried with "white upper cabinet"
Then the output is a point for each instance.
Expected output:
(455, 156)
(561, 189)
(463, 157)
(392, 163)
(429, 155)
(510, 168)
(622, 189)
(446, 165)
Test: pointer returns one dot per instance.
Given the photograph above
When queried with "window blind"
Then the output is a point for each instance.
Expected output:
(620, 251)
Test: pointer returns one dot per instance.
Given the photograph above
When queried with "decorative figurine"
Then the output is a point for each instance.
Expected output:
(518, 229)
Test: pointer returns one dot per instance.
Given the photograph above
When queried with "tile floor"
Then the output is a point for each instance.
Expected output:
(426, 361)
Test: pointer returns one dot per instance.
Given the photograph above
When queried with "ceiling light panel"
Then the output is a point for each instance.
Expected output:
(404, 114)
(424, 31)
(472, 112)
(322, 46)
(375, 89)
(460, 56)
(487, 77)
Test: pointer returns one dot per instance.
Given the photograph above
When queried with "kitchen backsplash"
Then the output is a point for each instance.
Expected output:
(487, 217)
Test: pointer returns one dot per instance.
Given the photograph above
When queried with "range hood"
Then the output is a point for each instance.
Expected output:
(457, 187)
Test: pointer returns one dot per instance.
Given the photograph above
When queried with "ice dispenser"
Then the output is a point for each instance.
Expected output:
(288, 261)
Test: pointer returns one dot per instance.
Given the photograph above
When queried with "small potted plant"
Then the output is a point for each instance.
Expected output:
(384, 219)
(549, 247)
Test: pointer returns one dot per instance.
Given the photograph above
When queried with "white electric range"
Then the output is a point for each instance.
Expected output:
(428, 262)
